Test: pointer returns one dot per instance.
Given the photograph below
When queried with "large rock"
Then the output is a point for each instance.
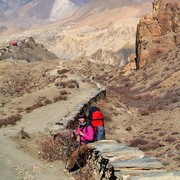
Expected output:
(158, 32)
(26, 49)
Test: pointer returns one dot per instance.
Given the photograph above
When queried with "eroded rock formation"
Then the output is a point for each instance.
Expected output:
(158, 32)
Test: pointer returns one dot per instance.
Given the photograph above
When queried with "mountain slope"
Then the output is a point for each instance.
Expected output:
(91, 31)
(25, 13)
(34, 11)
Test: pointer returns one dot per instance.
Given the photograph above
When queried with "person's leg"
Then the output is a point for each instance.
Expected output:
(72, 161)
(100, 133)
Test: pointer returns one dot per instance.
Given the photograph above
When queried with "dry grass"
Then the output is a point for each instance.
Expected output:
(62, 71)
(144, 145)
(48, 101)
(60, 98)
(143, 111)
(56, 149)
(34, 106)
(63, 93)
(85, 173)
(10, 120)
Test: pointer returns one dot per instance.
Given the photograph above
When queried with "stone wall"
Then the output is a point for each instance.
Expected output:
(112, 160)
(65, 122)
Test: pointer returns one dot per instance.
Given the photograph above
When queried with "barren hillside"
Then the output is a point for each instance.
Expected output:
(142, 106)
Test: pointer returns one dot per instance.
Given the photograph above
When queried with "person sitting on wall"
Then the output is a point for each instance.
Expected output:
(86, 133)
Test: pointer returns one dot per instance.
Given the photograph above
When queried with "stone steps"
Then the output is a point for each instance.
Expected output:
(126, 163)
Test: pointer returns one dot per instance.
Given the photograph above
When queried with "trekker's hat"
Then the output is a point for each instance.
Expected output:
(81, 115)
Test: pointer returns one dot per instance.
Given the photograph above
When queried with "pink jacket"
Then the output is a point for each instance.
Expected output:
(88, 136)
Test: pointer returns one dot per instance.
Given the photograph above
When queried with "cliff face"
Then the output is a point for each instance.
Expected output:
(158, 32)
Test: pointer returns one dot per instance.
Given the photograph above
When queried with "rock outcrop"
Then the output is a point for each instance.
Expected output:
(26, 49)
(158, 32)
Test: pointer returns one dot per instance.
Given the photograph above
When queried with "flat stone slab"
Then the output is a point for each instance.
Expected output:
(53, 128)
(122, 155)
(147, 175)
(142, 163)
(158, 176)
(106, 146)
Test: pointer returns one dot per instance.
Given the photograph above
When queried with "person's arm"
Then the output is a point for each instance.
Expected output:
(77, 131)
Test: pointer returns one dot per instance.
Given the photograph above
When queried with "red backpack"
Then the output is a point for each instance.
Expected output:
(96, 117)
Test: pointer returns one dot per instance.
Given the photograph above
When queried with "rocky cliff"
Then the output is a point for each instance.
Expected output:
(158, 32)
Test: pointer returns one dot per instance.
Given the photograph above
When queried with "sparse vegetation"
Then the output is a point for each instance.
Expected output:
(144, 145)
(63, 93)
(62, 71)
(143, 111)
(10, 120)
(59, 98)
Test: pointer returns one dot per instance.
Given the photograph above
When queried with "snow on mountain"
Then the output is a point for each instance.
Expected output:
(35, 10)
(62, 8)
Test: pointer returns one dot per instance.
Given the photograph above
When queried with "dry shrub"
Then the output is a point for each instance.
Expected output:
(138, 141)
(60, 98)
(158, 129)
(63, 76)
(177, 147)
(161, 134)
(47, 101)
(73, 81)
(147, 97)
(153, 138)
(63, 93)
(129, 128)
(143, 111)
(169, 139)
(62, 71)
(56, 149)
(71, 86)
(148, 132)
(85, 173)
(10, 120)
(149, 146)
(34, 106)
(63, 84)
(144, 145)
(174, 133)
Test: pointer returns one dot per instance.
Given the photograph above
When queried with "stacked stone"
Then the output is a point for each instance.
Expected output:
(62, 124)
(112, 160)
